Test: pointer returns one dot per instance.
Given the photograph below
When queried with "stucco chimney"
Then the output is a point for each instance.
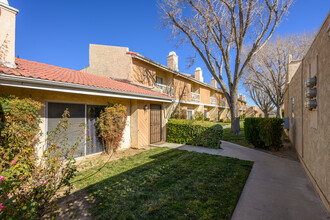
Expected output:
(293, 66)
(7, 34)
(173, 61)
(213, 82)
(199, 74)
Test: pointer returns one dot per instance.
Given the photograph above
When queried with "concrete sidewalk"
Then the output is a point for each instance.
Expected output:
(277, 188)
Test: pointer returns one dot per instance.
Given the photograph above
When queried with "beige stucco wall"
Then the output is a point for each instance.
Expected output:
(205, 94)
(7, 33)
(310, 129)
(109, 61)
(145, 73)
(182, 89)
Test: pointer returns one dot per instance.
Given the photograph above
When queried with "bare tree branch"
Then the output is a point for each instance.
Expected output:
(267, 70)
(218, 31)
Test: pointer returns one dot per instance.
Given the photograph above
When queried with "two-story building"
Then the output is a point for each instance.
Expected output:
(190, 91)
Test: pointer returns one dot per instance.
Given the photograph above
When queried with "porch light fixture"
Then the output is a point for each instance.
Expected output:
(146, 107)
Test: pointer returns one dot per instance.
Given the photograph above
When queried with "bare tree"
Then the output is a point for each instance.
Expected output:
(268, 68)
(261, 99)
(218, 29)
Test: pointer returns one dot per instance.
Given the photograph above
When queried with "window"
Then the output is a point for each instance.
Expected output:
(190, 114)
(206, 113)
(79, 114)
(77, 117)
(159, 80)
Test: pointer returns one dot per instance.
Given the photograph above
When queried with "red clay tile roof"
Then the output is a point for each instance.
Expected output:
(48, 72)
(131, 52)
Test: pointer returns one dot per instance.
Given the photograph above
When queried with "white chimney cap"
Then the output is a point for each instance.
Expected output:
(198, 68)
(172, 53)
(4, 2)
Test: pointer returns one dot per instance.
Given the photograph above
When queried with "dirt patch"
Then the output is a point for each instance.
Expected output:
(287, 151)
(77, 204)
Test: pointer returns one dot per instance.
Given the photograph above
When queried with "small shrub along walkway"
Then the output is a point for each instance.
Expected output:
(287, 151)
(197, 133)
(165, 183)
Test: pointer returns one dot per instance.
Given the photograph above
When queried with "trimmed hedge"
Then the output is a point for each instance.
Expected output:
(264, 133)
(198, 133)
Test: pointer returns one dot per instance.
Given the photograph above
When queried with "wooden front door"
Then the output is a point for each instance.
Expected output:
(155, 123)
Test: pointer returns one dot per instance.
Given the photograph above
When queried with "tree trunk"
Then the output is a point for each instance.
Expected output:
(234, 114)
(278, 112)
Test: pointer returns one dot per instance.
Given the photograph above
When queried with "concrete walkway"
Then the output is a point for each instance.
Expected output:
(277, 188)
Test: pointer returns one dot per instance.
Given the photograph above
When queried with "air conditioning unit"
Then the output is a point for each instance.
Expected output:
(311, 104)
(311, 93)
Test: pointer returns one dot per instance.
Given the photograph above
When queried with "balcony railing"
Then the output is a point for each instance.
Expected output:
(195, 97)
(165, 89)
(213, 101)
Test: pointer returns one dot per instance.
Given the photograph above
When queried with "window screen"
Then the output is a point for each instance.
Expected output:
(77, 117)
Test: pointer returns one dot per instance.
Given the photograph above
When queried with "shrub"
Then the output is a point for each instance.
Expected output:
(199, 116)
(28, 182)
(207, 119)
(198, 133)
(179, 113)
(264, 132)
(111, 125)
(221, 120)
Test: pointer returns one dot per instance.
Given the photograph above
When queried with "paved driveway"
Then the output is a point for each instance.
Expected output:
(277, 188)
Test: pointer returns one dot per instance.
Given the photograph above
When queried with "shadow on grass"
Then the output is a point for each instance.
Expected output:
(166, 184)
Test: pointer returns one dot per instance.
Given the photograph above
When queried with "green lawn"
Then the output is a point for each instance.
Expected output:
(224, 123)
(165, 183)
(236, 139)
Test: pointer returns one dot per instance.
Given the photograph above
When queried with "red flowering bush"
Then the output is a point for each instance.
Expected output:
(29, 182)
(111, 125)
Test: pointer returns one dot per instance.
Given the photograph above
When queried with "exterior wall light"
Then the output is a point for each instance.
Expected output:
(145, 107)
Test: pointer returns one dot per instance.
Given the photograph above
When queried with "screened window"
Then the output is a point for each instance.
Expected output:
(76, 119)
(190, 113)
(159, 80)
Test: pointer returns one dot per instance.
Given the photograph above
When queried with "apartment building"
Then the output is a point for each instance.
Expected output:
(81, 93)
(189, 91)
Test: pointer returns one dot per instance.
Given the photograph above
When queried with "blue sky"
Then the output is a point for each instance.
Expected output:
(59, 32)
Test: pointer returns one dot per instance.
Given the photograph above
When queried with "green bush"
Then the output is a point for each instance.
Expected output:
(198, 133)
(199, 116)
(29, 183)
(264, 133)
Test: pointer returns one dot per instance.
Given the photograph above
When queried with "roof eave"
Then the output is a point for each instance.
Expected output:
(29, 82)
